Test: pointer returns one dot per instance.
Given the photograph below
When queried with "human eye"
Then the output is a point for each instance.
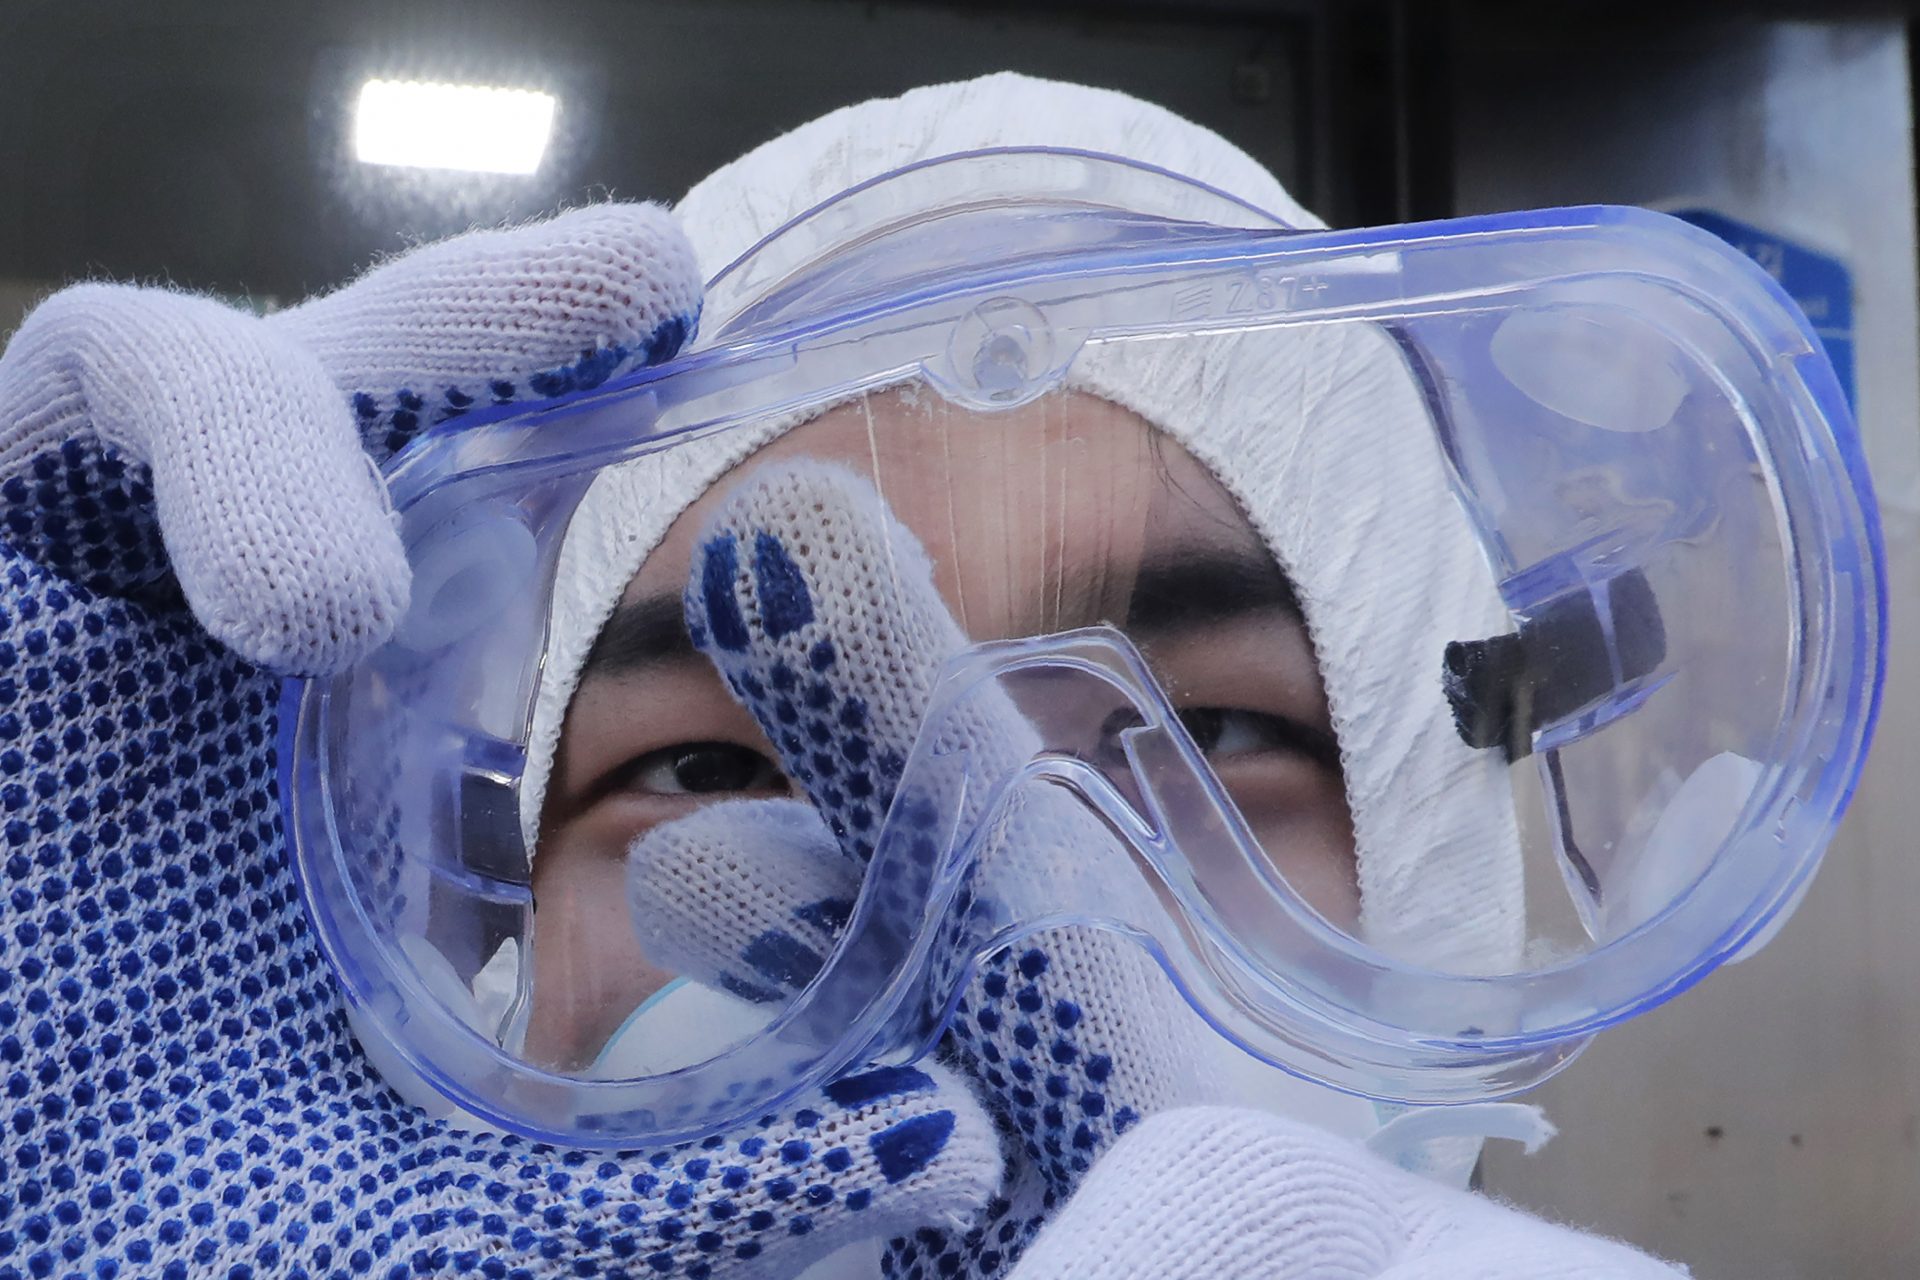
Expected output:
(700, 769)
(1224, 733)
(1231, 734)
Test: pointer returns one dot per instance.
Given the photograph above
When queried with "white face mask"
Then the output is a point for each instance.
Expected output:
(677, 1026)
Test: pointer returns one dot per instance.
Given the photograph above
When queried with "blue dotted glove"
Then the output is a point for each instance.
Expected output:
(182, 1094)
(820, 611)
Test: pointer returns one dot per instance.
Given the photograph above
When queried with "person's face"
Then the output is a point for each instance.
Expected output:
(1065, 513)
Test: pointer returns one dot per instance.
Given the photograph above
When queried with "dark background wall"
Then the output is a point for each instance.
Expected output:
(207, 141)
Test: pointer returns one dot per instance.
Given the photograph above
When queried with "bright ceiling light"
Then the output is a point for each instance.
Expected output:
(452, 126)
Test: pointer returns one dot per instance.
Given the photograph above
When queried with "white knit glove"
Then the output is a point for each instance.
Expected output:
(820, 610)
(132, 418)
(1215, 1193)
(185, 1096)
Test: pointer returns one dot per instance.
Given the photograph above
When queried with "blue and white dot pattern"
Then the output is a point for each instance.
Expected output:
(182, 1096)
(389, 422)
(820, 611)
(86, 511)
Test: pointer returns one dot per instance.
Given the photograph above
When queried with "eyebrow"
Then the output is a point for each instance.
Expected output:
(641, 634)
(1181, 591)
(1170, 593)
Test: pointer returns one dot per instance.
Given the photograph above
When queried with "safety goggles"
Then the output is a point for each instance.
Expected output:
(1432, 644)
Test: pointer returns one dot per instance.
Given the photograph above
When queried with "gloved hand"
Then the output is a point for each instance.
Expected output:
(820, 610)
(183, 1096)
(1215, 1193)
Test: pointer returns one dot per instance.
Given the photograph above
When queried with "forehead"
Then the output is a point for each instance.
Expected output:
(1050, 488)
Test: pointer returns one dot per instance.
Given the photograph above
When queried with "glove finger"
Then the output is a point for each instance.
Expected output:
(273, 523)
(265, 511)
(822, 613)
(747, 896)
(496, 316)
(1217, 1194)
